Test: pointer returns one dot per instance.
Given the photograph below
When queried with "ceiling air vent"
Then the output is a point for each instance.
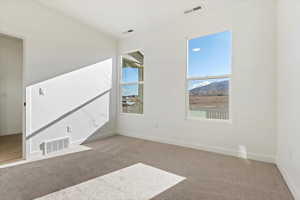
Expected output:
(128, 31)
(193, 10)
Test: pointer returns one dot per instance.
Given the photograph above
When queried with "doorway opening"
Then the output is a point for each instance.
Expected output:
(11, 99)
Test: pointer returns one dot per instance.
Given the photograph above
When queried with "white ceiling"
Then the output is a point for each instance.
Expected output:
(116, 16)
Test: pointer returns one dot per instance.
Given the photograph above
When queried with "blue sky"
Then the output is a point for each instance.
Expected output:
(129, 75)
(214, 56)
(207, 56)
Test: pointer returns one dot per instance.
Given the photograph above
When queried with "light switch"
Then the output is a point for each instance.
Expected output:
(69, 129)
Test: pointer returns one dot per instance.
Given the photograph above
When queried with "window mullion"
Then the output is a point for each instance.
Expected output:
(133, 83)
(208, 77)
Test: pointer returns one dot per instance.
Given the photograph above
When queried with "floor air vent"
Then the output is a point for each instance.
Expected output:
(56, 145)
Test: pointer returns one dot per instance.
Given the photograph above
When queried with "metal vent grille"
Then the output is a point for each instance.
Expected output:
(56, 145)
(193, 9)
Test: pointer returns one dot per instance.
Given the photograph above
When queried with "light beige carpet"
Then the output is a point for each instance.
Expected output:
(209, 176)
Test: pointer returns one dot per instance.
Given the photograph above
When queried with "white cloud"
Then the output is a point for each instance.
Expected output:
(196, 49)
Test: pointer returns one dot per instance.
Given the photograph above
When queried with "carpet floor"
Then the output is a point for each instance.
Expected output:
(208, 176)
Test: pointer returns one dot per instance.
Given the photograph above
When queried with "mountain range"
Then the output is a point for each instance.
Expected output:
(220, 88)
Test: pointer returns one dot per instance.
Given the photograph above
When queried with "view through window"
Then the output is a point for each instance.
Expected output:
(208, 76)
(132, 82)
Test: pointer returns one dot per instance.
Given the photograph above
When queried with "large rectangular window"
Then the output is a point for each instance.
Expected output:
(132, 83)
(208, 76)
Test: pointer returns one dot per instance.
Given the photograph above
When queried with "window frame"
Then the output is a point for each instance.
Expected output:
(223, 76)
(121, 83)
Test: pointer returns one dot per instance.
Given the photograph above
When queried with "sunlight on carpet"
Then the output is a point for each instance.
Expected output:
(137, 182)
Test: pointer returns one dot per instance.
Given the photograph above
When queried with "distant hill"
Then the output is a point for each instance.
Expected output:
(213, 89)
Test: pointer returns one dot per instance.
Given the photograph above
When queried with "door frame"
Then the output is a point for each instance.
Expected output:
(25, 143)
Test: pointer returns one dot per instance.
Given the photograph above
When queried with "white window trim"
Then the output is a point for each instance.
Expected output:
(199, 78)
(129, 83)
(133, 83)
(187, 79)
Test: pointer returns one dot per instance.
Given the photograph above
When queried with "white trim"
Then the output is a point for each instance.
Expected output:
(228, 121)
(122, 114)
(186, 92)
(288, 181)
(134, 50)
(132, 83)
(25, 151)
(199, 78)
(12, 133)
(28, 122)
(214, 149)
(25, 143)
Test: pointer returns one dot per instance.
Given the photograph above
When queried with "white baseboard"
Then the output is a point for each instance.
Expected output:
(11, 133)
(220, 150)
(289, 181)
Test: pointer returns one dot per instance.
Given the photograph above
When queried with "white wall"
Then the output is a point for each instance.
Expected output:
(55, 44)
(253, 96)
(88, 88)
(288, 93)
(10, 85)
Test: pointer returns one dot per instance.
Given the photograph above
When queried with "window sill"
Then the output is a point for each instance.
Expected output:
(188, 118)
(131, 114)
